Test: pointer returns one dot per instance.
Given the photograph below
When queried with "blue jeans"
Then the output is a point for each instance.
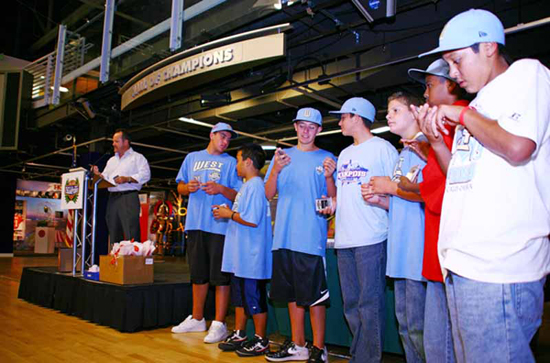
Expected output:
(410, 299)
(362, 279)
(438, 336)
(494, 322)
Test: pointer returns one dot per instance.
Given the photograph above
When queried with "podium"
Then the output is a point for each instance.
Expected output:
(100, 183)
(44, 240)
(78, 190)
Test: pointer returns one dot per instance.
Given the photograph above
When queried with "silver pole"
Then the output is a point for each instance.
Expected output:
(75, 240)
(176, 25)
(60, 55)
(107, 39)
(94, 213)
(84, 221)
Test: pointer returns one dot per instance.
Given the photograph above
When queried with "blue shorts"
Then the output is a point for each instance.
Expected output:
(250, 294)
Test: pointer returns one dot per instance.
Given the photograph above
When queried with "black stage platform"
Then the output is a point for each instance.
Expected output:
(127, 308)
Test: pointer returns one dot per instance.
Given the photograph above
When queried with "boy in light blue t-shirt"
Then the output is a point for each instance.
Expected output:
(300, 237)
(406, 228)
(247, 253)
(208, 177)
(361, 229)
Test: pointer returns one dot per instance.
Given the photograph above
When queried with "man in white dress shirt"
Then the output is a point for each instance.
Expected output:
(128, 170)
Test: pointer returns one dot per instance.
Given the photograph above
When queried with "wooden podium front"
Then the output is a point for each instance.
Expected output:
(103, 184)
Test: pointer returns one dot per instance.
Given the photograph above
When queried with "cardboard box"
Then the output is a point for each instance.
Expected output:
(126, 270)
(65, 260)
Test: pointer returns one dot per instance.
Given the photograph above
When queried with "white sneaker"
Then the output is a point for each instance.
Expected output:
(217, 332)
(190, 325)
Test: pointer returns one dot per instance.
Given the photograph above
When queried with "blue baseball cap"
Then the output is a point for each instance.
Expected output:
(309, 114)
(358, 106)
(438, 68)
(222, 126)
(468, 28)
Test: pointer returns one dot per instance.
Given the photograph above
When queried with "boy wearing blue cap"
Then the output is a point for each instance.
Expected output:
(361, 229)
(300, 237)
(495, 222)
(208, 177)
(441, 89)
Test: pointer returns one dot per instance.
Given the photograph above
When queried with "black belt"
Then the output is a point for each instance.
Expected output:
(116, 194)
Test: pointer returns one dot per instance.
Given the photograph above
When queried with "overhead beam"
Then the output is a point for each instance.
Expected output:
(150, 33)
(75, 16)
(118, 13)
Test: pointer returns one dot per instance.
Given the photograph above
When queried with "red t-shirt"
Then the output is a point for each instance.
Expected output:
(432, 190)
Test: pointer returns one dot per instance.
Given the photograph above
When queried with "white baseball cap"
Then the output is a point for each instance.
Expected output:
(222, 126)
(358, 106)
(468, 28)
(309, 114)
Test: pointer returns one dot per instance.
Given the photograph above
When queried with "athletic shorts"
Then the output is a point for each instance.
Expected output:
(204, 255)
(299, 277)
(250, 294)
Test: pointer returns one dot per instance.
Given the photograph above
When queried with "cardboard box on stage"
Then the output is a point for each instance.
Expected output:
(65, 260)
(126, 270)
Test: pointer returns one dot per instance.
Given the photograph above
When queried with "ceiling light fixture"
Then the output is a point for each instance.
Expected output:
(215, 100)
(61, 89)
(380, 130)
(319, 134)
(269, 146)
(195, 122)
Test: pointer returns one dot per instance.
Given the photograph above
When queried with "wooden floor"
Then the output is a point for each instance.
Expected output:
(29, 333)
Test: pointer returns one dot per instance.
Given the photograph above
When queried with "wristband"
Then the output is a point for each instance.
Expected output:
(232, 214)
(462, 113)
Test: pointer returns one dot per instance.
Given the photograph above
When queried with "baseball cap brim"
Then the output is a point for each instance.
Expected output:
(302, 119)
(353, 113)
(233, 133)
(434, 51)
(419, 75)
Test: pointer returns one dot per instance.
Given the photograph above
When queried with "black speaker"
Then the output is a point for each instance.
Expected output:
(15, 106)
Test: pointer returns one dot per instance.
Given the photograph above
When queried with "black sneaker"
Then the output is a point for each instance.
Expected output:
(254, 347)
(317, 355)
(234, 341)
(288, 352)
